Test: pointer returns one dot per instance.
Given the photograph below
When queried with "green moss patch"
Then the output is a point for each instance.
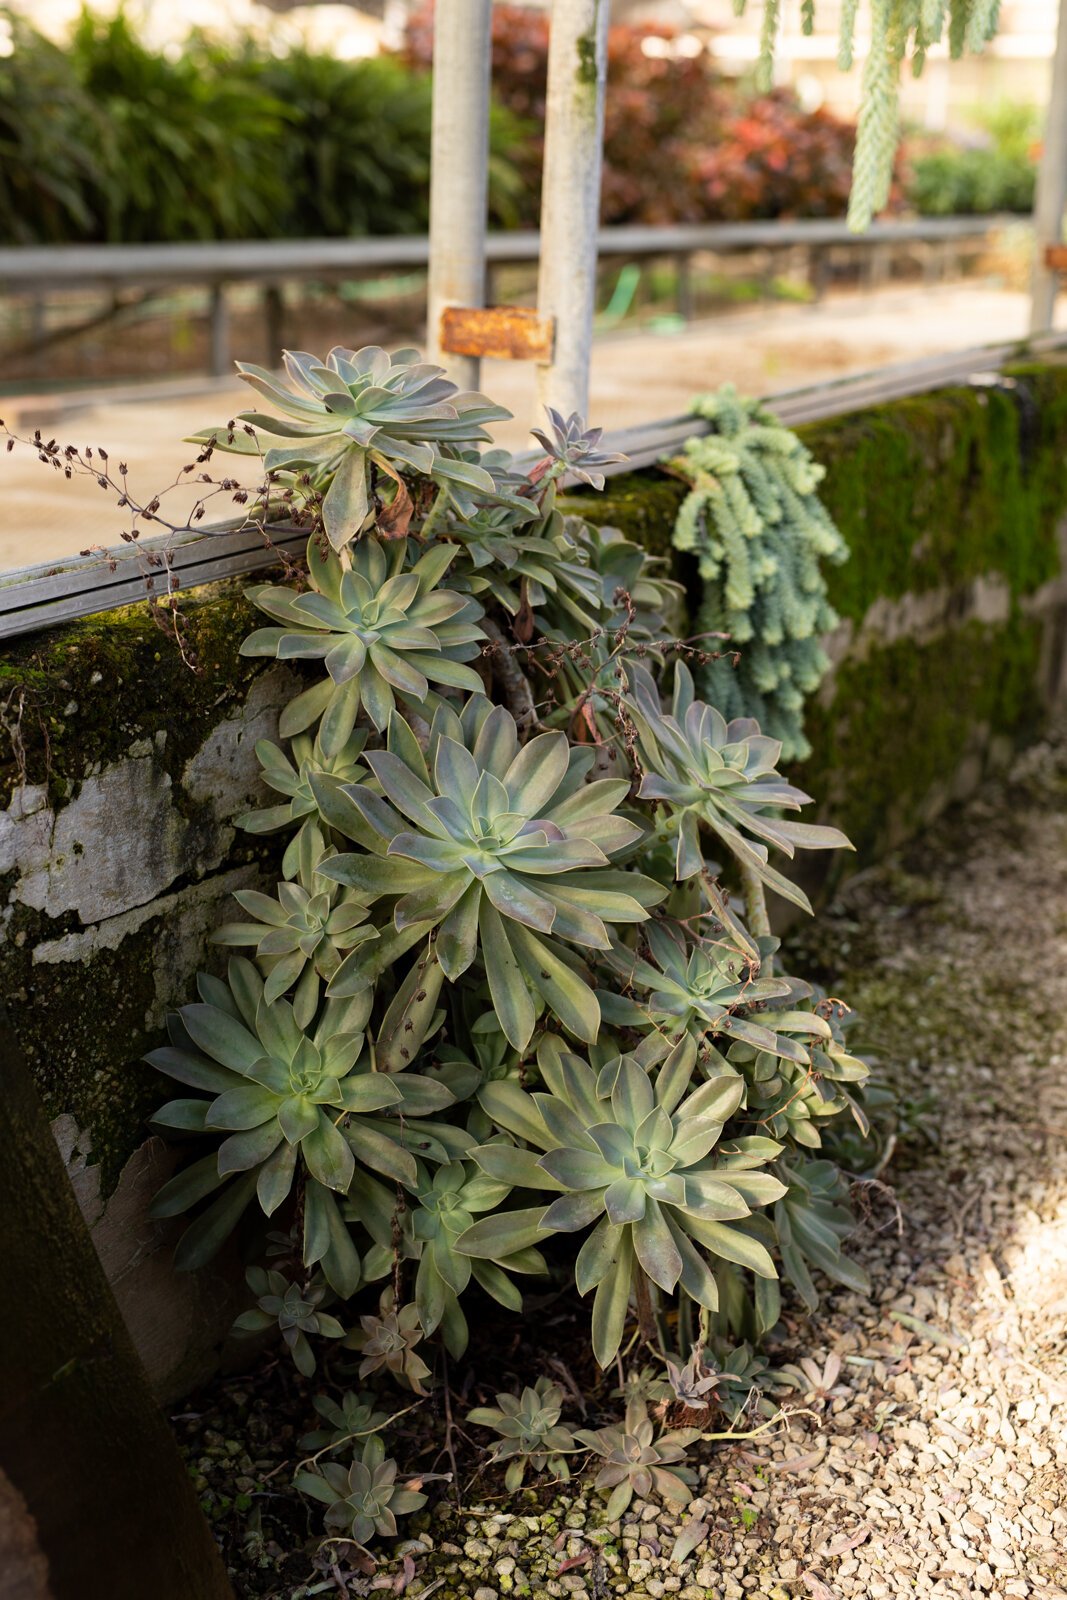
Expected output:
(77, 697)
(903, 720)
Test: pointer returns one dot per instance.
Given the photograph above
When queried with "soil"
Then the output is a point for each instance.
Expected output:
(927, 1453)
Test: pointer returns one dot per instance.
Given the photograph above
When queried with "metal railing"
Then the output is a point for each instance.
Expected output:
(44, 596)
(35, 272)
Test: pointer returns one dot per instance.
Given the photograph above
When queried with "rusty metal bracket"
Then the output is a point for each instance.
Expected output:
(504, 333)
(1056, 257)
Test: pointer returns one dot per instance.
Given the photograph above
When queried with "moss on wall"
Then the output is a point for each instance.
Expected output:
(74, 701)
(903, 721)
(77, 697)
(943, 488)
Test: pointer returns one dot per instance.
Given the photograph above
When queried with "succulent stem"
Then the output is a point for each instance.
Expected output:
(759, 923)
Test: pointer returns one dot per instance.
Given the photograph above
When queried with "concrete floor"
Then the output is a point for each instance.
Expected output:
(637, 377)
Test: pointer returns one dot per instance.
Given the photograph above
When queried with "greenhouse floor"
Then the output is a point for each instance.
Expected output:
(928, 1456)
(638, 376)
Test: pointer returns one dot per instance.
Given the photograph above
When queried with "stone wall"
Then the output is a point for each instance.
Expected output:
(121, 771)
(123, 763)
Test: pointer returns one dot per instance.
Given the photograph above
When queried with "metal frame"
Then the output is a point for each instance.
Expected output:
(459, 173)
(1051, 196)
(570, 197)
(37, 271)
(39, 597)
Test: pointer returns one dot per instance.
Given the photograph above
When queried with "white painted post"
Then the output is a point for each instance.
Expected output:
(459, 171)
(1051, 187)
(570, 203)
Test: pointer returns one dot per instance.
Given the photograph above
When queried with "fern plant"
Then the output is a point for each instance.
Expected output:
(759, 532)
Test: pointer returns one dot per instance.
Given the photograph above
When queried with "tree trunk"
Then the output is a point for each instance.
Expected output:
(96, 1500)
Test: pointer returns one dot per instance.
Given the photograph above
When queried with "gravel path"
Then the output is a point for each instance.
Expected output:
(935, 1463)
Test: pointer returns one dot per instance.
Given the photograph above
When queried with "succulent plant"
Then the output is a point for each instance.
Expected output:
(290, 775)
(636, 1158)
(747, 1380)
(281, 1094)
(637, 1461)
(498, 847)
(705, 770)
(813, 1219)
(293, 1309)
(274, 1082)
(530, 1432)
(575, 448)
(380, 626)
(302, 933)
(703, 987)
(793, 1099)
(612, 571)
(387, 1343)
(353, 1417)
(449, 1199)
(371, 1076)
(362, 408)
(693, 1382)
(364, 1499)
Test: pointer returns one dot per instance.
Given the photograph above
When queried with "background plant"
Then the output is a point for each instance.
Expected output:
(899, 29)
(995, 169)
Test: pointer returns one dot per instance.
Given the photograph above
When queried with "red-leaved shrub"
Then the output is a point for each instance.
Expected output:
(681, 143)
(773, 159)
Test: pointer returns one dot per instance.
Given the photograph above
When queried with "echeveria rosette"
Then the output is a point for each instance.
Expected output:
(703, 987)
(387, 1343)
(362, 408)
(279, 1095)
(292, 1308)
(302, 933)
(505, 851)
(791, 1098)
(637, 1157)
(702, 769)
(448, 1202)
(638, 1461)
(364, 1499)
(381, 628)
(609, 567)
(290, 775)
(530, 1434)
(354, 1416)
(574, 448)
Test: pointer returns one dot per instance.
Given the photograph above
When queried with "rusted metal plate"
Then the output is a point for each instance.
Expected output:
(1056, 257)
(505, 333)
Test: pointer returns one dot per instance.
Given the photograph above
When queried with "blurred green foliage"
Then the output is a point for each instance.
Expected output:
(997, 172)
(114, 140)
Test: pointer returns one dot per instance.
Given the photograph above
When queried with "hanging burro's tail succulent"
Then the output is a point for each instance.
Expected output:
(897, 28)
(759, 532)
(505, 991)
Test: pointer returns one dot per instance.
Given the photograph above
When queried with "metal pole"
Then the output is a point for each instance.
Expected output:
(1051, 187)
(220, 332)
(570, 203)
(459, 171)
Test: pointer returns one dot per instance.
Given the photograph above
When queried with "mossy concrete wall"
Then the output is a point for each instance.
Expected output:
(121, 771)
(953, 601)
(122, 768)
